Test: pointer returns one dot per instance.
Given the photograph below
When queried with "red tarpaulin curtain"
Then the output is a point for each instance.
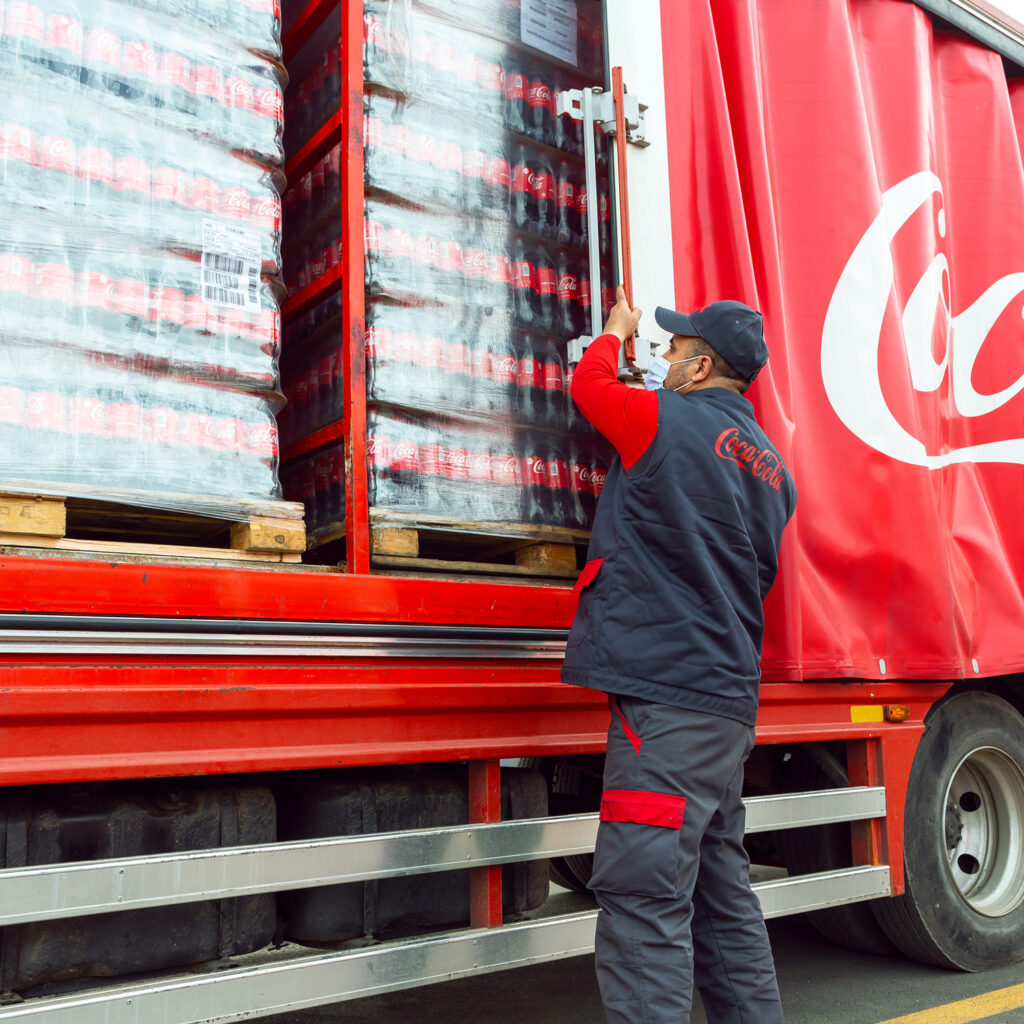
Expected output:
(855, 173)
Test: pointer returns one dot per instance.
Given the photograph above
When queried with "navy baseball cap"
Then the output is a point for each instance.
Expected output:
(733, 330)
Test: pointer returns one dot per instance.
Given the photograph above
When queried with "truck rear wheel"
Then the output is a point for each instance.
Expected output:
(963, 835)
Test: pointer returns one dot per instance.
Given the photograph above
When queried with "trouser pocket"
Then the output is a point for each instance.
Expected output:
(638, 849)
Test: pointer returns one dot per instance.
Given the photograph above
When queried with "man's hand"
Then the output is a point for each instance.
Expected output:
(622, 321)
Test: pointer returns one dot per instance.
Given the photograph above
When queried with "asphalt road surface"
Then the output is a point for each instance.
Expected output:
(820, 984)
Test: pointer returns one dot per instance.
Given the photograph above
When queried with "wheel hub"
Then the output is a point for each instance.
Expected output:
(984, 831)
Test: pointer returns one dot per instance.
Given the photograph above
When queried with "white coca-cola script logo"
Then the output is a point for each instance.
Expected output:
(853, 326)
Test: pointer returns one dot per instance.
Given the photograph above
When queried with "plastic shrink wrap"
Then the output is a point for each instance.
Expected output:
(476, 269)
(140, 145)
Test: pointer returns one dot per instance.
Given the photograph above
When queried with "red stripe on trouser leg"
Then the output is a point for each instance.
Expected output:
(643, 808)
(631, 733)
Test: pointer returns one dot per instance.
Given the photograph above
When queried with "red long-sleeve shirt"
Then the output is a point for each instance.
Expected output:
(627, 416)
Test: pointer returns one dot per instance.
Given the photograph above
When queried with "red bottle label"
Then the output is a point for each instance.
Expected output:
(44, 410)
(12, 405)
(547, 283)
(139, 58)
(131, 175)
(528, 373)
(206, 81)
(568, 288)
(565, 194)
(524, 275)
(55, 153)
(102, 47)
(235, 202)
(515, 86)
(87, 415)
(16, 273)
(168, 185)
(173, 69)
(94, 164)
(55, 282)
(553, 380)
(539, 95)
(64, 33)
(16, 143)
(542, 186)
(160, 426)
(23, 19)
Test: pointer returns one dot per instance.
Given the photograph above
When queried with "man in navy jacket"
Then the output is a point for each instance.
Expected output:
(670, 624)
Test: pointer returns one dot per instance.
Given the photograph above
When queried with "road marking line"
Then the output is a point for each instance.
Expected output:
(966, 1010)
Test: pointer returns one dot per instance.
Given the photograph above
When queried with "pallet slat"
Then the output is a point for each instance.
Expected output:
(84, 523)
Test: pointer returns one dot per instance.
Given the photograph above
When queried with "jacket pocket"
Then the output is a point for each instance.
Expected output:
(638, 848)
(581, 624)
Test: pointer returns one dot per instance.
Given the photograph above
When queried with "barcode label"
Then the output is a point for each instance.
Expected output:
(230, 268)
(218, 261)
(222, 296)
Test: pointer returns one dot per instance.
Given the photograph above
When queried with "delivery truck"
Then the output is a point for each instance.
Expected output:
(293, 494)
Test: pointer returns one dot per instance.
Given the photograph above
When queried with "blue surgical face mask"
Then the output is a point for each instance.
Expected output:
(659, 371)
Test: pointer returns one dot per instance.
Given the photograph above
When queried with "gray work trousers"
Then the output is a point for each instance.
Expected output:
(671, 875)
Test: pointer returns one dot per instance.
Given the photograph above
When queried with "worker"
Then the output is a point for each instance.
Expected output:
(684, 549)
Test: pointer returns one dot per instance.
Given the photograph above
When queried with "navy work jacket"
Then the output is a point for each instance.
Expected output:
(685, 548)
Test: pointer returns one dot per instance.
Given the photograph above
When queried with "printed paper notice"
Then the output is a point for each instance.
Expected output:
(232, 256)
(550, 25)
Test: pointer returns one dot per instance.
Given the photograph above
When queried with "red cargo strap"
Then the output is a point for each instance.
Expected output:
(631, 734)
(643, 808)
(590, 570)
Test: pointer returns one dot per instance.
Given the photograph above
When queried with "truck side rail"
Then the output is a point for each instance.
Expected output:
(279, 980)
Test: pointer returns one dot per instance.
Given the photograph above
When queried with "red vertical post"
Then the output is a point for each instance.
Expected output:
(618, 95)
(357, 515)
(885, 760)
(484, 806)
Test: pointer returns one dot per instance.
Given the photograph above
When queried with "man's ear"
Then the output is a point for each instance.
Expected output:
(703, 369)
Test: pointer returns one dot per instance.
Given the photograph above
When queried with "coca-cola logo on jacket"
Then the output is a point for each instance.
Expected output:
(852, 332)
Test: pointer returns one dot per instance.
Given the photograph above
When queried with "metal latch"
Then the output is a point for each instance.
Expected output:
(596, 106)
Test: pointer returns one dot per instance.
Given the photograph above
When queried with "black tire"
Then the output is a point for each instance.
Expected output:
(574, 787)
(829, 848)
(964, 821)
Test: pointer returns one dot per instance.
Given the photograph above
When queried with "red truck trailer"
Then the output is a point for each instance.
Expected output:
(352, 729)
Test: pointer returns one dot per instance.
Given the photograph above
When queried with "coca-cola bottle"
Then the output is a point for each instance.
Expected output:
(474, 265)
(16, 458)
(460, 386)
(448, 172)
(569, 322)
(547, 289)
(378, 462)
(604, 223)
(336, 484)
(535, 482)
(524, 285)
(504, 369)
(139, 64)
(24, 28)
(489, 79)
(94, 289)
(530, 382)
(481, 365)
(523, 210)
(542, 185)
(55, 162)
(567, 225)
(480, 483)
(164, 459)
(559, 499)
(17, 277)
(101, 49)
(553, 380)
(538, 102)
(53, 291)
(498, 185)
(262, 451)
(516, 109)
(404, 475)
(581, 496)
(46, 425)
(130, 187)
(507, 486)
(17, 153)
(598, 476)
(167, 295)
(173, 82)
(94, 171)
(451, 271)
(499, 279)
(63, 39)
(474, 174)
(207, 90)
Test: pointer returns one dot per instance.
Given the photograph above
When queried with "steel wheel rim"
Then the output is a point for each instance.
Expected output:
(984, 831)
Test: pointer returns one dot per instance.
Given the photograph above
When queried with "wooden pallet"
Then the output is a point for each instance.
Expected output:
(95, 522)
(438, 544)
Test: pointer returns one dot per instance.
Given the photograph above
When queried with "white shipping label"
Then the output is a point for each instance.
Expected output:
(550, 25)
(232, 257)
